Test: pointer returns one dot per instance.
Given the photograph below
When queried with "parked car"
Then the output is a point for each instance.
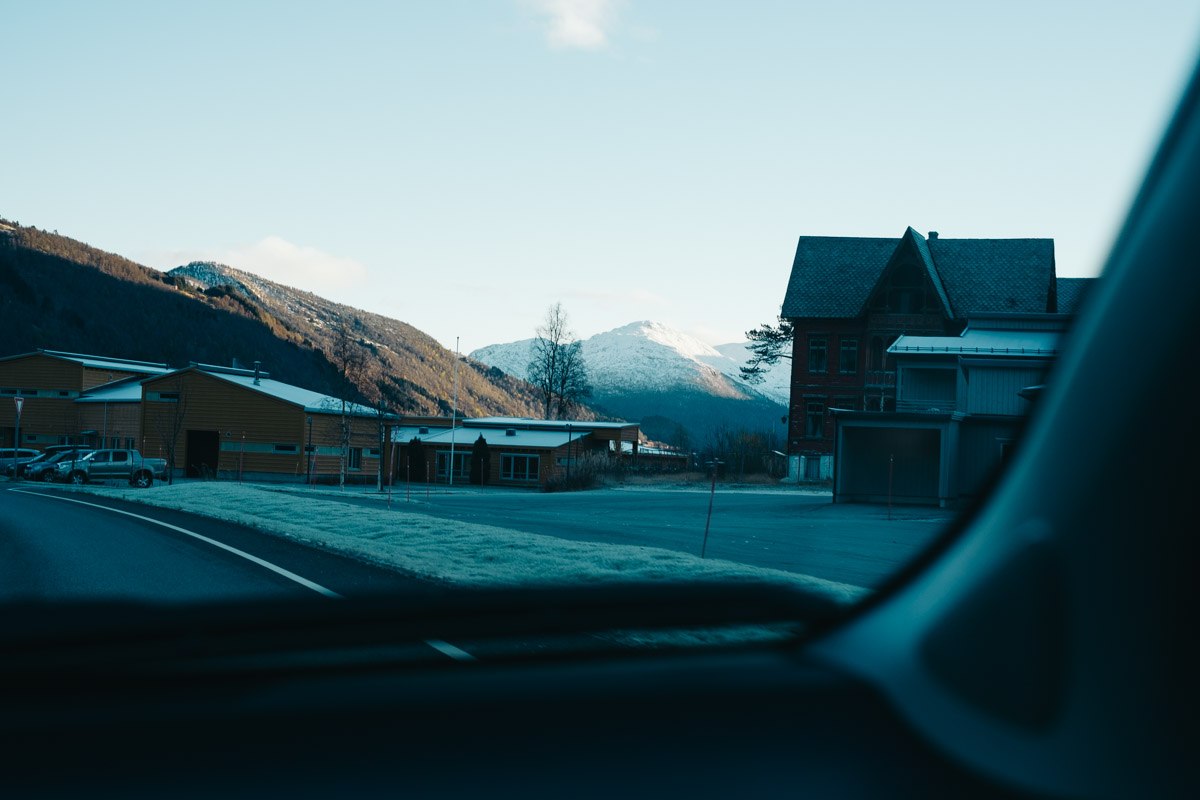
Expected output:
(20, 466)
(47, 469)
(10, 457)
(107, 464)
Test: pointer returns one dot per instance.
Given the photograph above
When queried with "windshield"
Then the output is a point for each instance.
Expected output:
(546, 294)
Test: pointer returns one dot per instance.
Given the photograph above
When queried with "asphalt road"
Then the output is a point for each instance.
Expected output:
(781, 529)
(65, 547)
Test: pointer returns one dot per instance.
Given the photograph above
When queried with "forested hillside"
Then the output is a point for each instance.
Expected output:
(60, 294)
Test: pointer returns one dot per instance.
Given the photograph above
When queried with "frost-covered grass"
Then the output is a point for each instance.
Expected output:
(453, 551)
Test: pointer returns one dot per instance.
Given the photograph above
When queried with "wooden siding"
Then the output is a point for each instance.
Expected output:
(240, 414)
(993, 390)
(123, 420)
(93, 377)
(45, 416)
(929, 387)
(979, 451)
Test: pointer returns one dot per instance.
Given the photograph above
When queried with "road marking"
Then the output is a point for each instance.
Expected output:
(458, 654)
(316, 587)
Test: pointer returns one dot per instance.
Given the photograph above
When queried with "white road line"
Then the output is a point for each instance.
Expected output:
(458, 654)
(316, 587)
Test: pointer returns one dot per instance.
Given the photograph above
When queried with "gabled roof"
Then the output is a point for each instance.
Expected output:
(833, 276)
(917, 242)
(983, 275)
(1071, 292)
(100, 362)
(125, 390)
(311, 401)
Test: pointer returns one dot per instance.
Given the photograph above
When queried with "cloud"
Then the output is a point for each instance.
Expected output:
(577, 24)
(629, 299)
(300, 267)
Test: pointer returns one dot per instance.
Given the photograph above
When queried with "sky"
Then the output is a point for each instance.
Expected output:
(461, 166)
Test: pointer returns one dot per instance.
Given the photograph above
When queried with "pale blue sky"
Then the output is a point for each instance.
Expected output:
(462, 165)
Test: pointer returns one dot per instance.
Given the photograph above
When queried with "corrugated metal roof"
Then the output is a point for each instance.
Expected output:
(550, 424)
(406, 433)
(1039, 344)
(314, 402)
(127, 390)
(100, 362)
(498, 437)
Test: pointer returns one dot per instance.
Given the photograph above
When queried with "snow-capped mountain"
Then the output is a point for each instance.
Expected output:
(646, 369)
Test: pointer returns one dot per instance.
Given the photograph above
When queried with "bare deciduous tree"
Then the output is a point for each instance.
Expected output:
(169, 424)
(556, 368)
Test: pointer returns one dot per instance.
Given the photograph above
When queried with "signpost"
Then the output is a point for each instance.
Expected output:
(20, 401)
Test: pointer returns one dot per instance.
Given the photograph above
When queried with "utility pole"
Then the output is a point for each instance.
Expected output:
(454, 412)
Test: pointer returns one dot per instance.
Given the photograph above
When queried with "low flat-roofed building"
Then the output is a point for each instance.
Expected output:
(512, 451)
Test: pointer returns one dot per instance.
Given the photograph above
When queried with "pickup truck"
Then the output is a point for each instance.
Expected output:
(106, 464)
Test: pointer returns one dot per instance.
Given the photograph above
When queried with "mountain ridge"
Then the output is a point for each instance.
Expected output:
(668, 380)
(61, 294)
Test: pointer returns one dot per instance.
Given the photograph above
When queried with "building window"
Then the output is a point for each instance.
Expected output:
(462, 463)
(115, 442)
(286, 448)
(164, 397)
(815, 416)
(519, 468)
(129, 444)
(848, 358)
(847, 403)
(373, 452)
(816, 355)
(355, 458)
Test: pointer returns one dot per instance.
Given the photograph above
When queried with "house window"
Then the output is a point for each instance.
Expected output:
(815, 419)
(355, 458)
(165, 397)
(462, 463)
(373, 452)
(286, 448)
(816, 355)
(519, 468)
(848, 358)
